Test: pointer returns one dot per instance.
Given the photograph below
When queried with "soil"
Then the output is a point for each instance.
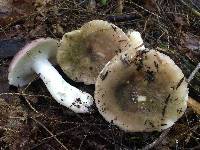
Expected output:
(31, 119)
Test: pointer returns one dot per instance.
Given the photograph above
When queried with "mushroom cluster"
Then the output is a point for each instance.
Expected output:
(136, 88)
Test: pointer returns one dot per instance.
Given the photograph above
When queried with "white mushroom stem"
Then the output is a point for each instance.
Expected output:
(136, 40)
(61, 91)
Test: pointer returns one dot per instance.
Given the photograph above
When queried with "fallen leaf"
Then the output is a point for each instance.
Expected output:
(151, 5)
(179, 21)
(190, 44)
(11, 10)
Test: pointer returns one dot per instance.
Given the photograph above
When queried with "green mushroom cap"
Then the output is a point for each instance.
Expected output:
(141, 91)
(84, 52)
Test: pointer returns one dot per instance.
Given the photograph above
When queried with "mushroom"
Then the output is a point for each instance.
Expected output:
(34, 58)
(141, 91)
(84, 52)
(135, 40)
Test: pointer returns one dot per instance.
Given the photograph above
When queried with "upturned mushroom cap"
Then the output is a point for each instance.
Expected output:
(20, 72)
(34, 59)
(84, 52)
(141, 91)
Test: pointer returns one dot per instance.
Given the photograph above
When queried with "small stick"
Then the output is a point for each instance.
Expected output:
(157, 141)
(122, 18)
(54, 136)
(193, 73)
(194, 11)
(30, 105)
(120, 6)
(23, 94)
(50, 137)
(195, 105)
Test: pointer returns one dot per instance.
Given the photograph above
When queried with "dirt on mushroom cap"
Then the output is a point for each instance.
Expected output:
(141, 92)
(83, 53)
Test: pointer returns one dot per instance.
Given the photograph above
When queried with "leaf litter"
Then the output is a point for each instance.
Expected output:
(30, 119)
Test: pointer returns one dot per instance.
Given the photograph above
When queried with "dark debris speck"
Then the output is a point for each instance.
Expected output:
(149, 76)
(104, 74)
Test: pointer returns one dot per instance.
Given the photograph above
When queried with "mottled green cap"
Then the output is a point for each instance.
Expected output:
(84, 52)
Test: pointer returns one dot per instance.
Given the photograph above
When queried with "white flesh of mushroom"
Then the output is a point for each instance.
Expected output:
(34, 58)
(136, 40)
(61, 91)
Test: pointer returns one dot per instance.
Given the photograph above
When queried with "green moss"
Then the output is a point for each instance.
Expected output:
(136, 138)
(165, 46)
(103, 2)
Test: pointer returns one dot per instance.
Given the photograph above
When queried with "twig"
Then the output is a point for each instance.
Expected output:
(92, 5)
(54, 136)
(2, 30)
(145, 24)
(35, 78)
(157, 141)
(23, 94)
(50, 137)
(7, 129)
(122, 18)
(85, 136)
(83, 124)
(30, 105)
(154, 14)
(194, 11)
(120, 5)
(193, 73)
(195, 105)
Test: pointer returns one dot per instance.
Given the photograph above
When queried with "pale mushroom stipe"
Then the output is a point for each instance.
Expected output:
(35, 58)
(141, 91)
(135, 40)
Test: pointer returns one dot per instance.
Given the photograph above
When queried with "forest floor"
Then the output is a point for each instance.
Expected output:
(31, 119)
